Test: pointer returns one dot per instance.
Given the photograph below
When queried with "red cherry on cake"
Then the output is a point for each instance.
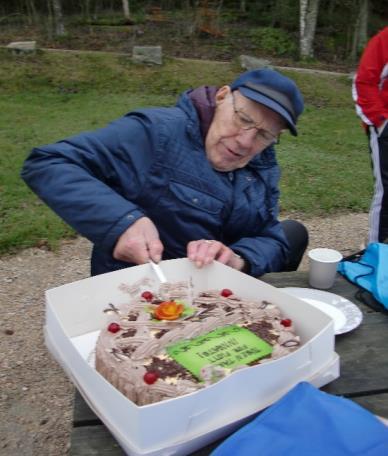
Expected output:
(147, 295)
(226, 292)
(150, 377)
(114, 327)
(286, 322)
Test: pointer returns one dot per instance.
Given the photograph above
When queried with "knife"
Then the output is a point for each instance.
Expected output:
(158, 271)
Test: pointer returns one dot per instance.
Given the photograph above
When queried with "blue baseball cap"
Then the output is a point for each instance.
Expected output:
(273, 90)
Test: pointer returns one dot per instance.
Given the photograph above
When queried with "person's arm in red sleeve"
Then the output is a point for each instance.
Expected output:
(367, 87)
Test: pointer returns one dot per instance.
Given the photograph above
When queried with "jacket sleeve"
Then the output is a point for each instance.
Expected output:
(368, 79)
(90, 180)
(267, 248)
(266, 252)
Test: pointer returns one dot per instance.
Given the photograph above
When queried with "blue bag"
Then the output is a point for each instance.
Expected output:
(370, 271)
(309, 422)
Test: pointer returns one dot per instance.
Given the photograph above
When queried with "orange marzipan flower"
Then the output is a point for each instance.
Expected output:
(168, 310)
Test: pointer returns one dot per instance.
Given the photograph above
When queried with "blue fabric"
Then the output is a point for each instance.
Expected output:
(309, 422)
(152, 163)
(370, 271)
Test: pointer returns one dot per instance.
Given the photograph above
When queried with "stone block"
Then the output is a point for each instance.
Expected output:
(251, 63)
(147, 54)
(22, 47)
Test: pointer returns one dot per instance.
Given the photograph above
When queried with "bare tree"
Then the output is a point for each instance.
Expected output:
(58, 18)
(126, 9)
(49, 20)
(31, 12)
(86, 9)
(360, 33)
(308, 20)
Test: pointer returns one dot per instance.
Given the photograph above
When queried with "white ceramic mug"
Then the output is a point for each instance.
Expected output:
(323, 267)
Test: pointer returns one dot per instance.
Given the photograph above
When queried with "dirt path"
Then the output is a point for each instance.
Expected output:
(35, 396)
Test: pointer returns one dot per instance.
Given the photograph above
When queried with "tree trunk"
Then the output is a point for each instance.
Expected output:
(97, 8)
(31, 12)
(308, 20)
(126, 9)
(49, 20)
(86, 10)
(360, 31)
(364, 14)
(276, 7)
(330, 9)
(58, 18)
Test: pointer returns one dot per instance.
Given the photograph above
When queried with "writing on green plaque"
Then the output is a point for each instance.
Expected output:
(228, 347)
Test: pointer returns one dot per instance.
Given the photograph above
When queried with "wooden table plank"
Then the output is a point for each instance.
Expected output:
(98, 441)
(376, 403)
(93, 441)
(83, 415)
(363, 358)
(363, 352)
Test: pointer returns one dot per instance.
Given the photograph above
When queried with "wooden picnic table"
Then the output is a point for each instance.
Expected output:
(363, 378)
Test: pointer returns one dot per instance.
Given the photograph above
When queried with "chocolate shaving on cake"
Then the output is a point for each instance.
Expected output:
(111, 308)
(207, 306)
(264, 304)
(169, 368)
(205, 294)
(127, 351)
(206, 311)
(129, 333)
(262, 329)
(117, 354)
(161, 333)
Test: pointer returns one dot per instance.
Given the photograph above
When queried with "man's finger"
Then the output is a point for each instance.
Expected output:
(155, 250)
(192, 249)
(224, 256)
(213, 251)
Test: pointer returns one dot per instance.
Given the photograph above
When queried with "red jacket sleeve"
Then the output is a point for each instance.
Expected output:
(370, 87)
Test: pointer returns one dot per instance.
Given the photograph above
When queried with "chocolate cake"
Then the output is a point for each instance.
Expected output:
(168, 341)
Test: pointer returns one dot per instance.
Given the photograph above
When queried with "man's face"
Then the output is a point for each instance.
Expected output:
(241, 129)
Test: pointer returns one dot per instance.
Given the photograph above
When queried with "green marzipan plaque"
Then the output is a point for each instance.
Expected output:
(228, 347)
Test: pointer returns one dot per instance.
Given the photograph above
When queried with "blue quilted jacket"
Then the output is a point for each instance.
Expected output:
(152, 162)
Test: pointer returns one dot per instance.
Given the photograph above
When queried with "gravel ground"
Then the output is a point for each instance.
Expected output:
(35, 396)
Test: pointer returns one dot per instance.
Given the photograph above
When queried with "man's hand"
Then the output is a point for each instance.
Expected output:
(139, 243)
(203, 252)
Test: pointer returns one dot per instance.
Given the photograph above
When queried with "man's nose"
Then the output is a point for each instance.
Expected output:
(246, 138)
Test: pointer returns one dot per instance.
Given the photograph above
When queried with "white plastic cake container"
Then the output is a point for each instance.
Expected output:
(184, 424)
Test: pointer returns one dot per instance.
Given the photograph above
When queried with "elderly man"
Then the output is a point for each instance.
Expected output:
(197, 180)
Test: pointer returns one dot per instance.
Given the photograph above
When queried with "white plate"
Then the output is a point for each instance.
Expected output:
(346, 315)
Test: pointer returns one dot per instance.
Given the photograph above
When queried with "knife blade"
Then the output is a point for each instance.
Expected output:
(158, 271)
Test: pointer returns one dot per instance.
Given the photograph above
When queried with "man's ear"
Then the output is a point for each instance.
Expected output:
(222, 93)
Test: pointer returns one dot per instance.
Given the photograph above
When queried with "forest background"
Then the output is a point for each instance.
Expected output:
(331, 31)
(46, 96)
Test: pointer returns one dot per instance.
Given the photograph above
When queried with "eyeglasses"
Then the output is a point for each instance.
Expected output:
(244, 122)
